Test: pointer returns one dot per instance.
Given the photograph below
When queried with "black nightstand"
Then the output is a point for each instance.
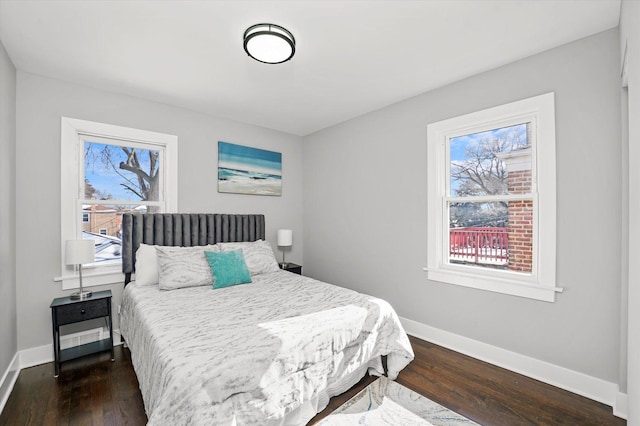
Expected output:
(291, 267)
(65, 310)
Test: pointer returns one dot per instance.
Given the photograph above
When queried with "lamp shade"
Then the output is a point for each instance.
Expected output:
(78, 252)
(285, 237)
(269, 43)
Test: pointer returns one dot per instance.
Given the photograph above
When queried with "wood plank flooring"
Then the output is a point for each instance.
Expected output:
(89, 391)
(95, 391)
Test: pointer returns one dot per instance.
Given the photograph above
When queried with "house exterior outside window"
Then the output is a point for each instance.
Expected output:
(102, 219)
(491, 199)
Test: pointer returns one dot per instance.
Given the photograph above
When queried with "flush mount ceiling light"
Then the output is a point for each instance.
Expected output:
(269, 43)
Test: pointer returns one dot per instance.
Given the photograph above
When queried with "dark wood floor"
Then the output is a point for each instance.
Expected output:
(95, 391)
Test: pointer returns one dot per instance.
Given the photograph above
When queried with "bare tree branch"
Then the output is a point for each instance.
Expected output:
(132, 190)
(142, 183)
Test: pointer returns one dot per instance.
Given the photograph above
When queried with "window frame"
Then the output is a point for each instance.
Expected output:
(73, 132)
(540, 284)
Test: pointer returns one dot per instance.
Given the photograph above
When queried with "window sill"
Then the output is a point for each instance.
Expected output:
(502, 285)
(90, 279)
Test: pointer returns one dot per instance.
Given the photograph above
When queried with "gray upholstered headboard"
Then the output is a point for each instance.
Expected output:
(180, 229)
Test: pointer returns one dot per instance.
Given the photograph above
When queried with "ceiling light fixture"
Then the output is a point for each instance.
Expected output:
(269, 43)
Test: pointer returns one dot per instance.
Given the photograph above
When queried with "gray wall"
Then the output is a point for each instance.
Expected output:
(8, 339)
(41, 102)
(365, 209)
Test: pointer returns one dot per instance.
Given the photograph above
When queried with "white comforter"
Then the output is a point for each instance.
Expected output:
(254, 353)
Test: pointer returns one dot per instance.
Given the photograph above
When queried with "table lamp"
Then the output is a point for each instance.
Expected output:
(285, 239)
(78, 252)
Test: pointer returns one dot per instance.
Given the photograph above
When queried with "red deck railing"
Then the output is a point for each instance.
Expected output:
(479, 245)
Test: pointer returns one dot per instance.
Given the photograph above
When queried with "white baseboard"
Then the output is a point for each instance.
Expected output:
(621, 409)
(35, 356)
(8, 380)
(29, 358)
(590, 387)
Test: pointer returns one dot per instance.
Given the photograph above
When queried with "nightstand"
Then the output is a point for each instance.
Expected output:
(291, 267)
(65, 310)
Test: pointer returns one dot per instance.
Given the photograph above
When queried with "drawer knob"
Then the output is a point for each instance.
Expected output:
(82, 311)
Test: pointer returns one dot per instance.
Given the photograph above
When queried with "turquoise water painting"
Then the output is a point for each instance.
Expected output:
(247, 170)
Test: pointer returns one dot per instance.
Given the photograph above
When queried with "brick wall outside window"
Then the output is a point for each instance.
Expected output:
(520, 222)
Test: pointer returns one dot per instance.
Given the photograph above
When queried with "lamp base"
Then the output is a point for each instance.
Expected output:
(81, 295)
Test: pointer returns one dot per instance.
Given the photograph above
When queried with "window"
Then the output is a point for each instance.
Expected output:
(491, 199)
(107, 171)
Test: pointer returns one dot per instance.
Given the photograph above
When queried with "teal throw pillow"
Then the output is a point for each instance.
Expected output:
(228, 268)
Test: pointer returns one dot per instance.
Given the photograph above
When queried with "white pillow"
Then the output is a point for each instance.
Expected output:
(258, 256)
(146, 265)
(180, 267)
(147, 269)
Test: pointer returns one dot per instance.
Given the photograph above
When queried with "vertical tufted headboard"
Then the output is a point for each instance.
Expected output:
(180, 229)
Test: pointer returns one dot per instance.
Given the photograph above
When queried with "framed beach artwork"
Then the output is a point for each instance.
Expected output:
(246, 170)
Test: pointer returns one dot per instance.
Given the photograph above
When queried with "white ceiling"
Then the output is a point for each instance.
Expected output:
(352, 57)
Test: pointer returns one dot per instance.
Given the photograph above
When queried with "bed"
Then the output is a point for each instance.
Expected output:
(269, 352)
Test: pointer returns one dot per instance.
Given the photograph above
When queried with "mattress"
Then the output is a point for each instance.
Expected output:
(270, 352)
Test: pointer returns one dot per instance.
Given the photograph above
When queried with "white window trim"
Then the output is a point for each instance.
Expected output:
(71, 224)
(541, 283)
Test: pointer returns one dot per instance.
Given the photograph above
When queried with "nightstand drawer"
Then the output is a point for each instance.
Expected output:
(82, 311)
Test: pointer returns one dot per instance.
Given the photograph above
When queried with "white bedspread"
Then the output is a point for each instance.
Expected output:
(253, 353)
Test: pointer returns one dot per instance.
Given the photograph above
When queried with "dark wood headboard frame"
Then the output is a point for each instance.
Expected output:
(184, 229)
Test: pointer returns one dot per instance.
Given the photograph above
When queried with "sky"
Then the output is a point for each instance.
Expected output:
(458, 145)
(103, 177)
